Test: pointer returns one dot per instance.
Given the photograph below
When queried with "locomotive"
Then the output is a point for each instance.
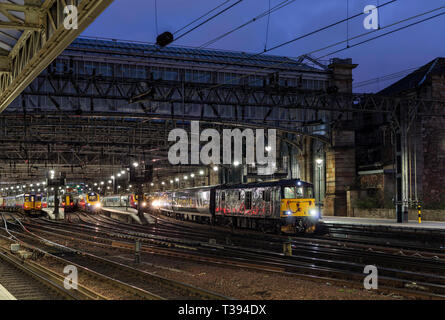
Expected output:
(89, 202)
(286, 206)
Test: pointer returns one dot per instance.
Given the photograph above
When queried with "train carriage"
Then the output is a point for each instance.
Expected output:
(279, 206)
(25, 203)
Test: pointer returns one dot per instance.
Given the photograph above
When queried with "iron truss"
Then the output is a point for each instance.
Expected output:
(176, 100)
(32, 35)
(84, 147)
(93, 124)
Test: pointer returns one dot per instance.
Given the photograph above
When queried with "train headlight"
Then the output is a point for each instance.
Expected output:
(98, 206)
(156, 204)
(144, 204)
(288, 212)
(314, 213)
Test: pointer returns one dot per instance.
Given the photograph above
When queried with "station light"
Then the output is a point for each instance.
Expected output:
(118, 187)
(123, 172)
(31, 185)
(236, 164)
(192, 175)
(118, 175)
(171, 181)
(163, 183)
(319, 161)
(215, 168)
(102, 183)
(177, 179)
(185, 177)
(109, 181)
(113, 177)
(152, 184)
(95, 184)
(135, 164)
(201, 172)
(268, 148)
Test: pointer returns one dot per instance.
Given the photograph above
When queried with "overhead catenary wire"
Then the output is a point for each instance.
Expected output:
(255, 19)
(208, 20)
(394, 75)
(201, 17)
(385, 34)
(324, 48)
(287, 60)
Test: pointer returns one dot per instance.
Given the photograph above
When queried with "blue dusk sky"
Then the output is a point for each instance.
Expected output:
(399, 51)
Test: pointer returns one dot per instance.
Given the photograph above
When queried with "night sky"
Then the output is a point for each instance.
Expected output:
(409, 48)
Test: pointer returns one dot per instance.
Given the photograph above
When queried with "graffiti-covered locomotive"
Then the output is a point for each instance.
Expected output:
(278, 206)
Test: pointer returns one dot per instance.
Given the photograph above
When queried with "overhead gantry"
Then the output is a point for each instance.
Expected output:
(33, 34)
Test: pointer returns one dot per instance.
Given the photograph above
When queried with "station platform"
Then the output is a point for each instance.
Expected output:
(390, 223)
(118, 212)
(49, 212)
(5, 295)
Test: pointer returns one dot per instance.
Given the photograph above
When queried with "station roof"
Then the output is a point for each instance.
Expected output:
(120, 48)
(416, 78)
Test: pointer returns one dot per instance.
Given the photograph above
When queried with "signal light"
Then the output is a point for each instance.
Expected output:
(164, 39)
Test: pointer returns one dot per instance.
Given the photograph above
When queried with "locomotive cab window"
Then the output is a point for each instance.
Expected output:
(223, 196)
(289, 193)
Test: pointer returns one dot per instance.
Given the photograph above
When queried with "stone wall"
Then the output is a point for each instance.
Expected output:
(340, 172)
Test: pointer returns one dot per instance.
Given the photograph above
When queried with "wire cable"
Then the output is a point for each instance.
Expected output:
(257, 18)
(389, 32)
(209, 19)
(204, 15)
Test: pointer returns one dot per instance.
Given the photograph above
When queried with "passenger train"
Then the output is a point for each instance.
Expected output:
(29, 203)
(286, 206)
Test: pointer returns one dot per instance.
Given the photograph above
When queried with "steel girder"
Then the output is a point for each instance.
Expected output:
(41, 36)
(294, 109)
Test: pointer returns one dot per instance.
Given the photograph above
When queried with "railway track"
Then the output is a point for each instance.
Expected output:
(131, 280)
(315, 262)
(24, 284)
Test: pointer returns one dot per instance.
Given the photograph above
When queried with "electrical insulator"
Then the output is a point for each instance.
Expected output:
(164, 39)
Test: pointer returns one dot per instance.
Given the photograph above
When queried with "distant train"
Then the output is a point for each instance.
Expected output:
(72, 202)
(90, 202)
(28, 203)
(286, 206)
(115, 201)
(133, 201)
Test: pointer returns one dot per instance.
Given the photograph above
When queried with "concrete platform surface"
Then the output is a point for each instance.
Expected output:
(129, 211)
(5, 295)
(385, 222)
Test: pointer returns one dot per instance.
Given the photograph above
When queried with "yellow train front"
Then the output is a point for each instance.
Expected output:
(90, 202)
(298, 210)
